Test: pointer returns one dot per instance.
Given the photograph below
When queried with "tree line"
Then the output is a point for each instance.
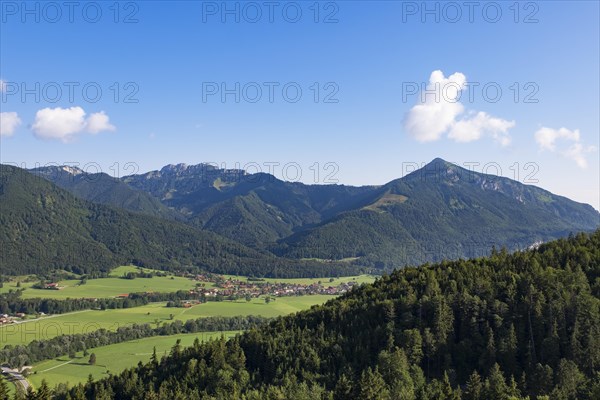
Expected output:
(13, 303)
(39, 350)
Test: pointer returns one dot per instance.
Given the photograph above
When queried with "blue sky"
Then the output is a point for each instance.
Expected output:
(365, 124)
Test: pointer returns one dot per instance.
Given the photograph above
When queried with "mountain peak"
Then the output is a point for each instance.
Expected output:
(53, 172)
(439, 163)
(174, 167)
(72, 170)
(438, 160)
(437, 170)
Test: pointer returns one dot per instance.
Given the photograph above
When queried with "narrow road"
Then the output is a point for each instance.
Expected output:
(57, 366)
(15, 376)
(26, 321)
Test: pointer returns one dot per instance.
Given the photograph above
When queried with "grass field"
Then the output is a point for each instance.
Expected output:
(106, 287)
(113, 358)
(12, 285)
(324, 281)
(114, 285)
(90, 320)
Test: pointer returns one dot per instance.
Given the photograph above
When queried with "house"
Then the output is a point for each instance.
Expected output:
(52, 286)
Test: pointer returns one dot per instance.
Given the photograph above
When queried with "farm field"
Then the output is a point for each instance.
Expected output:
(154, 313)
(324, 281)
(12, 285)
(115, 285)
(113, 358)
(106, 287)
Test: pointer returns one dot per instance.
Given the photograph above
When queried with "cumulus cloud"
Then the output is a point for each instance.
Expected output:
(99, 122)
(481, 124)
(9, 121)
(570, 144)
(439, 110)
(65, 124)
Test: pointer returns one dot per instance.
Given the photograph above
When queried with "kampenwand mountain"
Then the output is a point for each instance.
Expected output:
(104, 189)
(440, 211)
(44, 227)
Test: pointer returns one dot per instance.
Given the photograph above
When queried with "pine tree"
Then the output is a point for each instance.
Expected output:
(495, 385)
(78, 393)
(43, 393)
(568, 380)
(488, 358)
(343, 389)
(154, 358)
(513, 388)
(372, 386)
(474, 387)
(541, 380)
(413, 345)
(447, 387)
(394, 368)
(509, 348)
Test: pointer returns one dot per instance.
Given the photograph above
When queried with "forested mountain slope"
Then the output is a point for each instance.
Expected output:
(256, 209)
(43, 227)
(443, 211)
(104, 189)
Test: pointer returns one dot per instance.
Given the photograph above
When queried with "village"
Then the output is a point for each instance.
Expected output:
(234, 288)
(11, 319)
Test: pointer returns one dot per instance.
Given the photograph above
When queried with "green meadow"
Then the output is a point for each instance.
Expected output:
(115, 285)
(112, 358)
(309, 281)
(106, 287)
(154, 314)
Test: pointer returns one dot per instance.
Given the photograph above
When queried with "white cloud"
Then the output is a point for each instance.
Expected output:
(9, 121)
(479, 125)
(438, 111)
(65, 124)
(438, 108)
(99, 122)
(547, 139)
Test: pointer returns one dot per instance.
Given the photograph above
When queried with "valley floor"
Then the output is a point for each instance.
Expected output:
(112, 358)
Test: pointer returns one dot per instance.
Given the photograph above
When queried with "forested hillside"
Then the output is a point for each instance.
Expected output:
(255, 209)
(505, 326)
(104, 189)
(441, 211)
(43, 227)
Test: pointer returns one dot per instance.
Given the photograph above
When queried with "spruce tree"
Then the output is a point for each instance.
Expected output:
(474, 387)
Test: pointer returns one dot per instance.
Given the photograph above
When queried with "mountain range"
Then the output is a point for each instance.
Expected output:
(439, 211)
(44, 227)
